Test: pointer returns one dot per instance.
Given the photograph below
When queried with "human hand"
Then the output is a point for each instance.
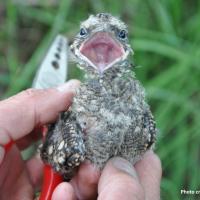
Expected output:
(19, 115)
(118, 180)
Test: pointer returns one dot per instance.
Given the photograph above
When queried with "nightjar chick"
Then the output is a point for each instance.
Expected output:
(109, 116)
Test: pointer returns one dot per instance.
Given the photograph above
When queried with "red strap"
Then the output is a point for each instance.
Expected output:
(50, 181)
(8, 146)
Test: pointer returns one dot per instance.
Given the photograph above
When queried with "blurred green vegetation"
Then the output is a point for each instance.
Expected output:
(165, 35)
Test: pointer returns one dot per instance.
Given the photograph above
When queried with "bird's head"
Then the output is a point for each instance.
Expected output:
(101, 43)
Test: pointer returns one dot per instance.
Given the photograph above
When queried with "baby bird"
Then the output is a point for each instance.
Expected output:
(109, 116)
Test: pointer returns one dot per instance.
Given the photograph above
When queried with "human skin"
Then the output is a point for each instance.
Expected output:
(22, 113)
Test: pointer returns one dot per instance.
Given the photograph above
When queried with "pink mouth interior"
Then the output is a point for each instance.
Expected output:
(102, 50)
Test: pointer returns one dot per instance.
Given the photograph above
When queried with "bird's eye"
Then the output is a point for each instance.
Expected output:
(83, 32)
(122, 34)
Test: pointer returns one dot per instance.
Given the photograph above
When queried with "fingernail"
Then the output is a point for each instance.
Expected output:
(62, 191)
(124, 166)
(148, 153)
(2, 153)
(69, 86)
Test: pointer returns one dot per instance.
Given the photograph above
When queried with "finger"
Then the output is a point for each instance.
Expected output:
(14, 180)
(150, 172)
(35, 171)
(22, 188)
(32, 137)
(21, 113)
(86, 180)
(119, 181)
(64, 191)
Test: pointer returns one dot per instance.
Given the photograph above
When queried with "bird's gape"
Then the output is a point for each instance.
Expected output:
(102, 51)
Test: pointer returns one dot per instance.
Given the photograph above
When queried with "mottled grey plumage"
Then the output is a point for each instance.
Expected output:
(108, 117)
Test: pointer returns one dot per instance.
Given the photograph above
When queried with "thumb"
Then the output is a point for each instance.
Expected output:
(22, 112)
(119, 180)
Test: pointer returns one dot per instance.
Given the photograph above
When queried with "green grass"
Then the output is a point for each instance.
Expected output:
(165, 35)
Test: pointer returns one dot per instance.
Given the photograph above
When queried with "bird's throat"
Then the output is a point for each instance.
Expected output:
(102, 51)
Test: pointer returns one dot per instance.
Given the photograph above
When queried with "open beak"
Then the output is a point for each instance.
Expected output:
(102, 51)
